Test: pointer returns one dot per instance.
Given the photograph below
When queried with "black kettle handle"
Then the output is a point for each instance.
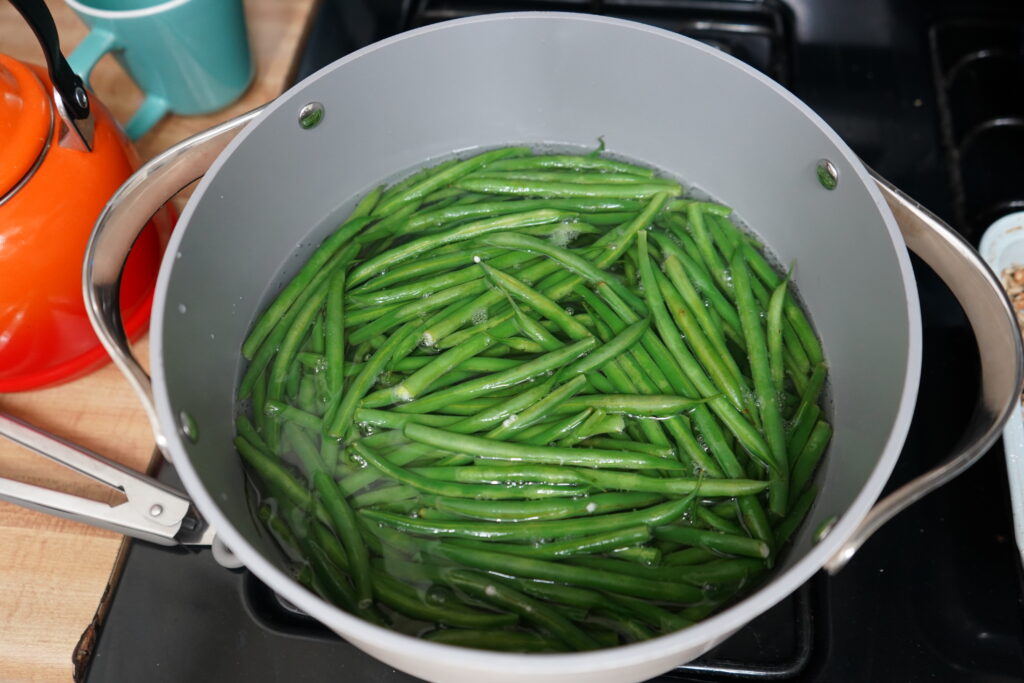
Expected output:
(67, 83)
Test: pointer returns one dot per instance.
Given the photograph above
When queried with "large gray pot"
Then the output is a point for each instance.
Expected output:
(278, 188)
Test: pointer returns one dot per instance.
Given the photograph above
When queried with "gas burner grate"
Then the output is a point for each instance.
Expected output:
(757, 32)
(978, 68)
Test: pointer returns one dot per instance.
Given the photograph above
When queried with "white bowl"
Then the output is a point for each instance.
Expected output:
(1002, 246)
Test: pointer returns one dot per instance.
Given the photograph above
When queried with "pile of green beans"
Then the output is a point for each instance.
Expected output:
(533, 402)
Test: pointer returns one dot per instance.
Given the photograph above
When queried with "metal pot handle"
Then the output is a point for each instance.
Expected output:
(999, 344)
(123, 218)
(152, 511)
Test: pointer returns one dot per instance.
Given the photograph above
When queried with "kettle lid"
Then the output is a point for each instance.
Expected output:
(26, 123)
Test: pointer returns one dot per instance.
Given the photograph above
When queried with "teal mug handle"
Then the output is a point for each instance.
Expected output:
(95, 45)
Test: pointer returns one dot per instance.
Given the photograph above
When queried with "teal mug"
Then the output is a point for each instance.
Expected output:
(188, 56)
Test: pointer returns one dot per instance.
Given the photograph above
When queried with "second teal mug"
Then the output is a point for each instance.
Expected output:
(188, 56)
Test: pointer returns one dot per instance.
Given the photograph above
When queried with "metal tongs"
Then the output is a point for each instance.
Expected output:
(152, 512)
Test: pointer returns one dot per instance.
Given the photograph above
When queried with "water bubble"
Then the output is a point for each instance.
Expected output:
(591, 508)
(182, 308)
(479, 316)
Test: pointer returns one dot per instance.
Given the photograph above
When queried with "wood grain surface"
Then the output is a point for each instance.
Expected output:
(53, 572)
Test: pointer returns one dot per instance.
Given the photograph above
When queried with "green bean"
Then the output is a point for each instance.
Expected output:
(420, 288)
(572, 575)
(522, 420)
(507, 378)
(600, 480)
(500, 325)
(459, 233)
(441, 260)
(573, 263)
(282, 363)
(598, 423)
(682, 296)
(627, 445)
(385, 229)
(688, 556)
(774, 336)
(529, 188)
(556, 431)
(641, 554)
(717, 572)
(757, 352)
(506, 597)
(570, 162)
(803, 422)
(327, 580)
(642, 405)
(415, 309)
(450, 214)
(406, 600)
(384, 495)
(537, 301)
(444, 176)
(304, 448)
(716, 267)
(247, 431)
(415, 384)
(577, 177)
(724, 375)
(794, 314)
(705, 207)
(389, 420)
(533, 531)
(275, 474)
(311, 271)
(715, 522)
(811, 455)
(281, 325)
(797, 512)
(338, 419)
(713, 540)
(559, 549)
(498, 450)
(711, 488)
(423, 173)
(344, 522)
(528, 510)
(458, 490)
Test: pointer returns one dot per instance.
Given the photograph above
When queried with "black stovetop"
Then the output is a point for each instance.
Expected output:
(913, 88)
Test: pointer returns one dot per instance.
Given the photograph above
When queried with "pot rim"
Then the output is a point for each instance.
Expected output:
(708, 632)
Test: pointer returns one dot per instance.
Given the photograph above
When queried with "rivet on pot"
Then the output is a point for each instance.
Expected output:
(828, 174)
(188, 426)
(156, 510)
(311, 115)
(824, 528)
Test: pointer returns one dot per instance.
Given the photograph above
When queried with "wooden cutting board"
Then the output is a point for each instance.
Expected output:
(53, 572)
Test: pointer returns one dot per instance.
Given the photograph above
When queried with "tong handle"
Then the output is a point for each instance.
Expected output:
(152, 512)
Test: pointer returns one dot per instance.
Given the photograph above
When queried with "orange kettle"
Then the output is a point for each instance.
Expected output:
(62, 155)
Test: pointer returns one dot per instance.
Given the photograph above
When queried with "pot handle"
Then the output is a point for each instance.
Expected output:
(999, 344)
(123, 218)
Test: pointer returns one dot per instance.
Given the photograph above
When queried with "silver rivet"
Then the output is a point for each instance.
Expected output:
(81, 98)
(188, 426)
(311, 115)
(824, 528)
(828, 174)
(156, 510)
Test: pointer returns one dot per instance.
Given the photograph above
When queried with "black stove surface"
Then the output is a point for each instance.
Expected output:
(936, 595)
